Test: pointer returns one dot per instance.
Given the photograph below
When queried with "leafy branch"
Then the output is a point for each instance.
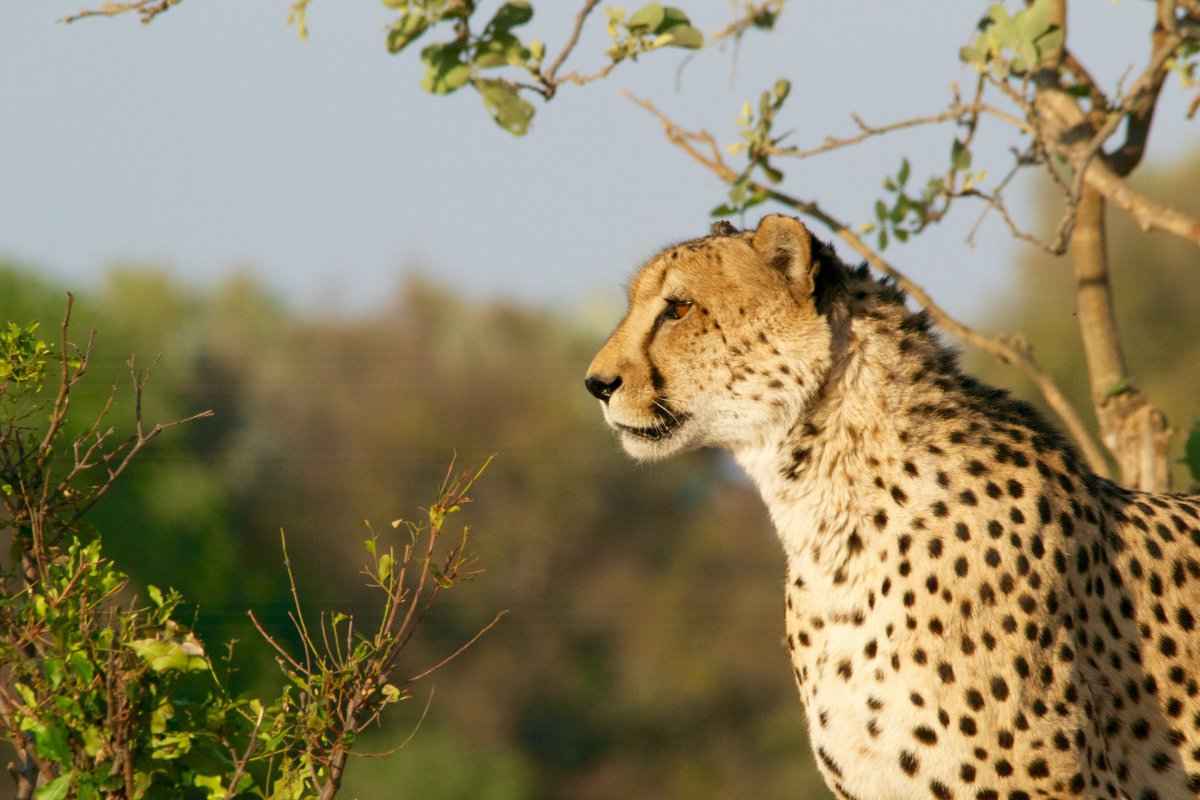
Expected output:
(104, 693)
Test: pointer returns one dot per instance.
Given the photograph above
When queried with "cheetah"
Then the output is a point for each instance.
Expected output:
(971, 613)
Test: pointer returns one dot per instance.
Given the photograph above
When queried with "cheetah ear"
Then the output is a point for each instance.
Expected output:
(785, 244)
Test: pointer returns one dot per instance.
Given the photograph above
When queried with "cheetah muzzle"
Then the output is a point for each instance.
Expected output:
(970, 612)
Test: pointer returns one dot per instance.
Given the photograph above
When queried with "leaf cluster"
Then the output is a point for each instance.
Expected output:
(758, 140)
(104, 692)
(469, 59)
(112, 696)
(1014, 43)
(649, 28)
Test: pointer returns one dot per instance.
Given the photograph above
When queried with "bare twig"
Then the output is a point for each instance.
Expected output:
(550, 76)
(752, 16)
(1009, 350)
(136, 442)
(276, 646)
(579, 79)
(460, 650)
(953, 113)
(241, 762)
(408, 739)
(146, 10)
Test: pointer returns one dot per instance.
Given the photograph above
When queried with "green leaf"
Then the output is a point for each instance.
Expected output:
(163, 655)
(1036, 33)
(673, 16)
(510, 15)
(502, 50)
(405, 31)
(960, 156)
(444, 70)
(385, 567)
(56, 789)
(171, 746)
(507, 108)
(27, 695)
(1191, 451)
(781, 90)
(155, 595)
(647, 19)
(51, 742)
(681, 36)
(1120, 387)
(93, 741)
(54, 670)
(905, 171)
(212, 784)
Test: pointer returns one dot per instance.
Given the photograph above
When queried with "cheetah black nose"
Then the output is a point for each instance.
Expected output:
(602, 387)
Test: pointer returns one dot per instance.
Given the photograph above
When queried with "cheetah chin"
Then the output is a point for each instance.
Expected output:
(971, 613)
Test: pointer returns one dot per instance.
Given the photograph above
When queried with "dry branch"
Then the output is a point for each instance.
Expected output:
(550, 76)
(953, 113)
(146, 10)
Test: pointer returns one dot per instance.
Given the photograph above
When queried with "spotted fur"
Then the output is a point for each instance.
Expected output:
(970, 612)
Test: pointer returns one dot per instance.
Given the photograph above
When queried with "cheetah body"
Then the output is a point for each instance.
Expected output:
(970, 612)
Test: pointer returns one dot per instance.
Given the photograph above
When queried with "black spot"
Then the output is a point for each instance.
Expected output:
(829, 763)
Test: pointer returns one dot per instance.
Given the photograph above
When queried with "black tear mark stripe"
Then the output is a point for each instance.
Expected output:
(661, 409)
(656, 377)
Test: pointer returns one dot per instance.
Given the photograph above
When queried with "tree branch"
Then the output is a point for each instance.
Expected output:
(1009, 350)
(550, 76)
(954, 112)
(1133, 430)
(1068, 133)
(147, 10)
(1144, 99)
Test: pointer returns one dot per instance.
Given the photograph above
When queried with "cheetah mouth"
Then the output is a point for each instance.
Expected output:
(663, 429)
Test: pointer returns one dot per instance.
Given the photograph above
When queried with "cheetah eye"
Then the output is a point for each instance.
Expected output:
(677, 309)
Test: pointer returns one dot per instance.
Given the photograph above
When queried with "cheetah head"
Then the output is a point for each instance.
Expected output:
(725, 339)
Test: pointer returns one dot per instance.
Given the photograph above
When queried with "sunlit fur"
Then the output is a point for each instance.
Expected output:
(971, 613)
(710, 362)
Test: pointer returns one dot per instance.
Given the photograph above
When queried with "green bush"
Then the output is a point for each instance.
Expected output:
(105, 692)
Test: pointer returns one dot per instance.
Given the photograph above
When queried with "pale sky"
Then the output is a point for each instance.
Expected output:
(214, 139)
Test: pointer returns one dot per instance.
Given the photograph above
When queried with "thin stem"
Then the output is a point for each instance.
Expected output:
(550, 76)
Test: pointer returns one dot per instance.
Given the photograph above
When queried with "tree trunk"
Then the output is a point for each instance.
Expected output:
(1133, 430)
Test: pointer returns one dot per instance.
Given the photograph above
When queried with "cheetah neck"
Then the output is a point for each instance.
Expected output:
(894, 414)
(815, 473)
